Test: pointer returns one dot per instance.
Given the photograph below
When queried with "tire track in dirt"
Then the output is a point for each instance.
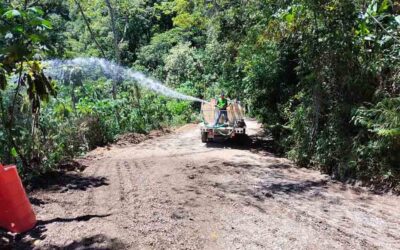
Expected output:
(121, 185)
(125, 219)
(90, 194)
(128, 189)
(132, 184)
(99, 171)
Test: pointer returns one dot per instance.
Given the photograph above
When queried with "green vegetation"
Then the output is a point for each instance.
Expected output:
(322, 75)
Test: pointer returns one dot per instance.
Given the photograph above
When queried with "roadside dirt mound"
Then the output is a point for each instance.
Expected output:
(136, 138)
(130, 138)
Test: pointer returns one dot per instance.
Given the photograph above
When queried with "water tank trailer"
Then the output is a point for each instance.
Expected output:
(234, 128)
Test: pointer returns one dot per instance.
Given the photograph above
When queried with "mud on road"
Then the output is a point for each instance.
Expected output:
(173, 192)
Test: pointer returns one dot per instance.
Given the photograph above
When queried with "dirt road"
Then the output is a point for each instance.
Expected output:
(173, 192)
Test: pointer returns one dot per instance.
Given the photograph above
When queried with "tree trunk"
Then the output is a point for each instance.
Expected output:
(117, 54)
(89, 28)
(115, 43)
(115, 32)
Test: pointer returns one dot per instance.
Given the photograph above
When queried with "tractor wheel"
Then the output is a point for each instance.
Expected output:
(204, 137)
(241, 139)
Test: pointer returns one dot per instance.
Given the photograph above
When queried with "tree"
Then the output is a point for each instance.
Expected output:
(25, 33)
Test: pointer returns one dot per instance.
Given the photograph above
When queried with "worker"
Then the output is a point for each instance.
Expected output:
(222, 104)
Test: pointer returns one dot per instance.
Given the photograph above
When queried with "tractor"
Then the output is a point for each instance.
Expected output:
(235, 127)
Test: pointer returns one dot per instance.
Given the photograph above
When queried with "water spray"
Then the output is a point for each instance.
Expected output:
(57, 70)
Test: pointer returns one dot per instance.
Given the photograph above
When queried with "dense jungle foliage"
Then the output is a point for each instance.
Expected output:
(322, 75)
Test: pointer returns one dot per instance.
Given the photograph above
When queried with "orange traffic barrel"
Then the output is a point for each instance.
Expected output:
(16, 214)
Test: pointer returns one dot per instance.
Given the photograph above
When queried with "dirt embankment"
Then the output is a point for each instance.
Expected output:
(173, 192)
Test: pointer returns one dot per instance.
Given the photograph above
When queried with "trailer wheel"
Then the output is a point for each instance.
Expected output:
(204, 137)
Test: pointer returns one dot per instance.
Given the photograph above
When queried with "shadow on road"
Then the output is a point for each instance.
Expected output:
(293, 188)
(64, 181)
(79, 218)
(274, 181)
(36, 201)
(96, 242)
(258, 143)
(27, 240)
